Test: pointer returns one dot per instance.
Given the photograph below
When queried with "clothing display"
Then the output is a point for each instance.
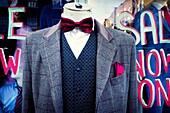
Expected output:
(56, 80)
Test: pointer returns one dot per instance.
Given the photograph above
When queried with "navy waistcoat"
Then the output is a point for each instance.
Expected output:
(79, 77)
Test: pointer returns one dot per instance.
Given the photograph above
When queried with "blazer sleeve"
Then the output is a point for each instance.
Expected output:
(132, 105)
(27, 104)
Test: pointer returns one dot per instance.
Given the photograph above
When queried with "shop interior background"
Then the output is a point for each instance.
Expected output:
(41, 14)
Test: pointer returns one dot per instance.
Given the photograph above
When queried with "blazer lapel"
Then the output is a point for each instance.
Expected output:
(105, 54)
(53, 66)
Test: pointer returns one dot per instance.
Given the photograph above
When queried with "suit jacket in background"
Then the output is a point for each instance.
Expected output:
(42, 78)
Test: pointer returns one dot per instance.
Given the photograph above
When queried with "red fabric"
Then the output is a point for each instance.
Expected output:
(118, 68)
(166, 14)
(85, 25)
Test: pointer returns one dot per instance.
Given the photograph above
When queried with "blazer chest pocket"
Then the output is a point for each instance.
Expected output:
(117, 73)
(117, 80)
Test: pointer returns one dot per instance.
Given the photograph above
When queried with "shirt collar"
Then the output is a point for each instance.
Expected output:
(157, 5)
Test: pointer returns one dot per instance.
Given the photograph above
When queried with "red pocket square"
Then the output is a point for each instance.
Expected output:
(119, 69)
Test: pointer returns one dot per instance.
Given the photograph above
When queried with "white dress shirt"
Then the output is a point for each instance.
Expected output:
(157, 5)
(76, 40)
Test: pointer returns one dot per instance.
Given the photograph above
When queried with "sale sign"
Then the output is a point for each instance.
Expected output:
(152, 60)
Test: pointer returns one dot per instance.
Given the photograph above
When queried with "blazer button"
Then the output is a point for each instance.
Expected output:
(78, 69)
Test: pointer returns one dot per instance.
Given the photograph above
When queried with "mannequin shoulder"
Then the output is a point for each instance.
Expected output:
(121, 38)
(37, 36)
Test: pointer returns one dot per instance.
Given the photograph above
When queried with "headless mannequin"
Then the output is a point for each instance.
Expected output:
(76, 14)
(76, 38)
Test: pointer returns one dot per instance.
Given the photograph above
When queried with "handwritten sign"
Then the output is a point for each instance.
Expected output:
(144, 62)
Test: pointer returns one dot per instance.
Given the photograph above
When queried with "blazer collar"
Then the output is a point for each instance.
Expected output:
(98, 27)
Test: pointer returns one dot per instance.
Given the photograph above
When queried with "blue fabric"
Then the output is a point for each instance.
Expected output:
(148, 47)
(8, 95)
(78, 80)
(49, 16)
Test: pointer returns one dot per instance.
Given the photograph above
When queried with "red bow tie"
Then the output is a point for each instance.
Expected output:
(85, 25)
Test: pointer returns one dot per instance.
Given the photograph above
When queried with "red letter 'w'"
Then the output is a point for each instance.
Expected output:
(14, 64)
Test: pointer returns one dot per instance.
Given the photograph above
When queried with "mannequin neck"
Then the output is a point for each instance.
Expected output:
(76, 14)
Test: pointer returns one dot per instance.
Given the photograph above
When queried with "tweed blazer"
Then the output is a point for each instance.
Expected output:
(42, 78)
